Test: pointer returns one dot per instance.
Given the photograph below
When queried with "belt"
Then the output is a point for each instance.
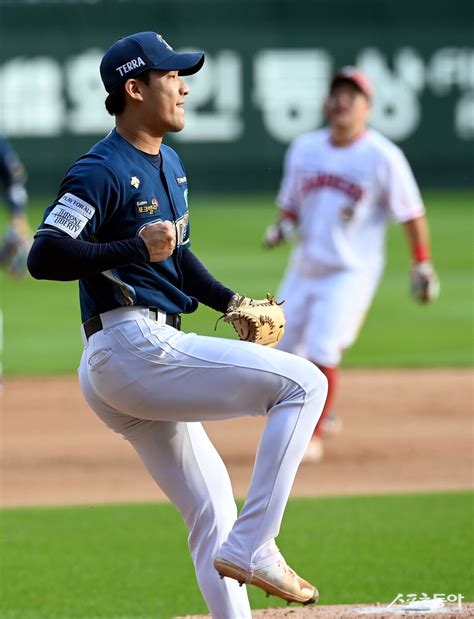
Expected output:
(94, 324)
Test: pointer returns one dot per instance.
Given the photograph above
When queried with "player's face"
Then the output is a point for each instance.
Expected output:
(347, 107)
(162, 107)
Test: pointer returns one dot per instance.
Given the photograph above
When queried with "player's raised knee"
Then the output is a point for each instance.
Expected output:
(310, 377)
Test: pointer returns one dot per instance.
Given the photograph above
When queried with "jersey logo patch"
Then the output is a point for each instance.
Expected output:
(67, 220)
(77, 204)
(144, 209)
(161, 39)
(135, 182)
(181, 179)
(70, 215)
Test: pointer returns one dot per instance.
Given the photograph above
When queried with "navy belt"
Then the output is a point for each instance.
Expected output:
(94, 324)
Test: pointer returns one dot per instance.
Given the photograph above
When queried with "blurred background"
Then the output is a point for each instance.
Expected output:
(266, 72)
(267, 67)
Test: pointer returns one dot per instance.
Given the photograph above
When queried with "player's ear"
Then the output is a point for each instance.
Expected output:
(134, 89)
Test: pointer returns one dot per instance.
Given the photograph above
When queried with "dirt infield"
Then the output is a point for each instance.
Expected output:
(355, 612)
(404, 431)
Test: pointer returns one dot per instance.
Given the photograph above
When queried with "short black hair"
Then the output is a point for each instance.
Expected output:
(116, 100)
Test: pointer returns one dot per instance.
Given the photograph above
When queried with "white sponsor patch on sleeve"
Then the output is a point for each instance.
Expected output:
(66, 219)
(70, 214)
(79, 205)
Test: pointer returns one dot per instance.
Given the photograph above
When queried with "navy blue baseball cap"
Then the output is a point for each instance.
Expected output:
(139, 52)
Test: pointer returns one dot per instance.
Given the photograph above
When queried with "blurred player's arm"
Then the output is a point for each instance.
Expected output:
(418, 236)
(406, 204)
(287, 200)
(424, 282)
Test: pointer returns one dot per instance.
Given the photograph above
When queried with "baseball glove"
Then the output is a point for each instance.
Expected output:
(256, 320)
(424, 282)
(14, 248)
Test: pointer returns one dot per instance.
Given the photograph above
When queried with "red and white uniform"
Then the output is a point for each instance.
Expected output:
(342, 199)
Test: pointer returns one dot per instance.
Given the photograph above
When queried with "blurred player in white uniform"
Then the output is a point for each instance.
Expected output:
(341, 186)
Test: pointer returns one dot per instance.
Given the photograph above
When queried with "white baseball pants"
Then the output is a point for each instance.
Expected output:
(325, 312)
(154, 385)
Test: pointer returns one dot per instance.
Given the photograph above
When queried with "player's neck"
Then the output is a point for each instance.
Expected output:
(342, 136)
(139, 138)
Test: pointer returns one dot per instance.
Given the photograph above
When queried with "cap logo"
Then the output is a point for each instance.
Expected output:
(129, 66)
(161, 40)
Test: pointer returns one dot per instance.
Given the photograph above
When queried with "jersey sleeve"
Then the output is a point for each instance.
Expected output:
(289, 194)
(87, 197)
(402, 196)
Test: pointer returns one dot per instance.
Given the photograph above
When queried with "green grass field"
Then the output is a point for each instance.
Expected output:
(41, 319)
(131, 561)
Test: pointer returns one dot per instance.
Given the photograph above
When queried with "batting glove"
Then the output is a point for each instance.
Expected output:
(279, 232)
(424, 282)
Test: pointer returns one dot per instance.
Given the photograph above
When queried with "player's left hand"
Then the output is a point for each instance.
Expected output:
(424, 282)
(14, 248)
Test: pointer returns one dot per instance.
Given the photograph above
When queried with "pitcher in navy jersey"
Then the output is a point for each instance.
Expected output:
(120, 225)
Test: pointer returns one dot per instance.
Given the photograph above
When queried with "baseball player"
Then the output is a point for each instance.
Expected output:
(17, 240)
(340, 187)
(120, 224)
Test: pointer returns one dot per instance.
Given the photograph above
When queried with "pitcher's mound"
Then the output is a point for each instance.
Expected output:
(359, 611)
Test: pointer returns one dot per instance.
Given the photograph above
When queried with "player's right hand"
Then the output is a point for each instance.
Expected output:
(160, 239)
(278, 232)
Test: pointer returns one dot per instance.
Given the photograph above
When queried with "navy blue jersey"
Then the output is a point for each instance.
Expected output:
(109, 194)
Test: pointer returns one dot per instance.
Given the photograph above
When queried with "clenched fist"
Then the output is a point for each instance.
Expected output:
(160, 240)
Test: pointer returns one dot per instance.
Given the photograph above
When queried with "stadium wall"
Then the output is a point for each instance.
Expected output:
(265, 77)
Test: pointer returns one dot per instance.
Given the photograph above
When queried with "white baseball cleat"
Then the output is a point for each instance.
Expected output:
(315, 451)
(276, 579)
(331, 425)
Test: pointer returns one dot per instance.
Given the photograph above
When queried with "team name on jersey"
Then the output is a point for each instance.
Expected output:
(130, 65)
(323, 179)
